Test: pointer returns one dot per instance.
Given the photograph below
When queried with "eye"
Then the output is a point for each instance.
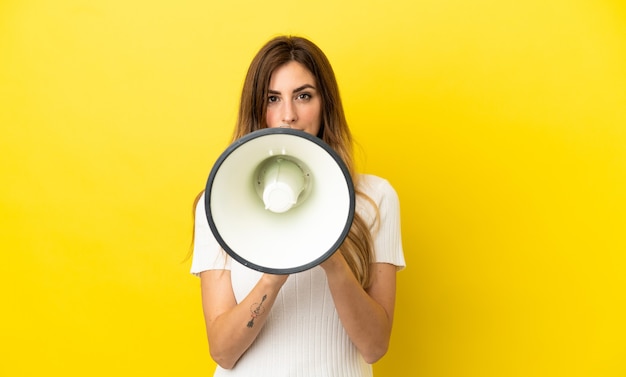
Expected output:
(304, 96)
(272, 99)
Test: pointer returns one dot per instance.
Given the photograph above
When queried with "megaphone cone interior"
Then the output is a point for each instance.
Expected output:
(279, 200)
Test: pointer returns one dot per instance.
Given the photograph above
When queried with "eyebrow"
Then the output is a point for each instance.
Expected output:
(296, 90)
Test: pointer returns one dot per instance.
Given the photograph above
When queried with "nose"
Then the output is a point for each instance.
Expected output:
(289, 113)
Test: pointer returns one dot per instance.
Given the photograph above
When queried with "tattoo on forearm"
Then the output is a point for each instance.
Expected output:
(256, 310)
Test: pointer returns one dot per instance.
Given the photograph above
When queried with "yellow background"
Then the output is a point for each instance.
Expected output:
(500, 123)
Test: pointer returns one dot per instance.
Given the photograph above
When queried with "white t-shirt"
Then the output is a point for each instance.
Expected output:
(303, 335)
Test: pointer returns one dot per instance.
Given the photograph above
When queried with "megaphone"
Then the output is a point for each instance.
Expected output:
(279, 200)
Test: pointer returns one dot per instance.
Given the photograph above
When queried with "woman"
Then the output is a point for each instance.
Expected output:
(336, 318)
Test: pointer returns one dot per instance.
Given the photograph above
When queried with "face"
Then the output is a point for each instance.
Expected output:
(293, 99)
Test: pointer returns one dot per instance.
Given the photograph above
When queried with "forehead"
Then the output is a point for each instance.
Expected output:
(291, 73)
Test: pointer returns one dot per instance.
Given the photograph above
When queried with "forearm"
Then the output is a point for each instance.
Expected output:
(367, 322)
(232, 331)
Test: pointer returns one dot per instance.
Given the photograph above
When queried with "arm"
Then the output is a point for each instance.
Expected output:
(231, 327)
(366, 315)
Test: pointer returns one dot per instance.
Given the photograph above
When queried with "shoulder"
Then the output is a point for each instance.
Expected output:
(377, 188)
(383, 217)
(376, 198)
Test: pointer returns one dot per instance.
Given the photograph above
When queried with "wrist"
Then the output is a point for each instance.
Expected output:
(273, 281)
(335, 263)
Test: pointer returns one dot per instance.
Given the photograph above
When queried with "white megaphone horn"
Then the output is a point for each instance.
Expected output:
(279, 200)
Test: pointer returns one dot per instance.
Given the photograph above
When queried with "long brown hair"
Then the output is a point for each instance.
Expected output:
(357, 248)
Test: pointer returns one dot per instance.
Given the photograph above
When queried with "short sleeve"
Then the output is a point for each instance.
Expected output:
(207, 253)
(386, 232)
